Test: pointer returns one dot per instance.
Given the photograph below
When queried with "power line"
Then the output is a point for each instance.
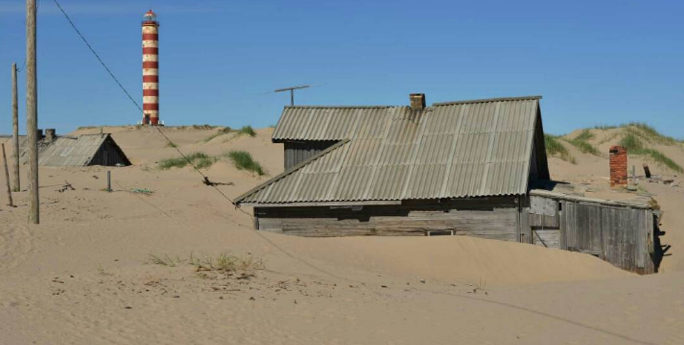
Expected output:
(130, 97)
(97, 56)
(205, 178)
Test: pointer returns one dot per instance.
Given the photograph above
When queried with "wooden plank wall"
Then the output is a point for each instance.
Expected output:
(298, 151)
(619, 235)
(493, 218)
(544, 222)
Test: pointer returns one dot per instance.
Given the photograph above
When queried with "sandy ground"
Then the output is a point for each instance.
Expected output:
(84, 275)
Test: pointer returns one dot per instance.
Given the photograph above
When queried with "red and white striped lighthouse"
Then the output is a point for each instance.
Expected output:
(150, 44)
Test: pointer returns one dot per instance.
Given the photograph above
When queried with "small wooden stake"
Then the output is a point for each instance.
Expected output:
(7, 177)
(647, 171)
(109, 181)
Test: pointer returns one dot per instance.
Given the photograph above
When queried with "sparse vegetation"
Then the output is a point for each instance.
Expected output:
(171, 144)
(581, 142)
(605, 127)
(555, 148)
(243, 161)
(199, 159)
(247, 130)
(227, 263)
(220, 132)
(648, 133)
(224, 263)
(164, 260)
(635, 146)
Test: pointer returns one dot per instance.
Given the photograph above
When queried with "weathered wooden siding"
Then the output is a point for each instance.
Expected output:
(494, 218)
(549, 238)
(621, 235)
(299, 151)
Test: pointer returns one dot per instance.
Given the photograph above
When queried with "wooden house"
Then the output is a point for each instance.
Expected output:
(456, 168)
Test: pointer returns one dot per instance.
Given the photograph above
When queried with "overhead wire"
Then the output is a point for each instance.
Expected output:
(137, 105)
(205, 178)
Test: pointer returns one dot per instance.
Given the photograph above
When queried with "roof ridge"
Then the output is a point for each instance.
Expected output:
(344, 106)
(489, 100)
(290, 171)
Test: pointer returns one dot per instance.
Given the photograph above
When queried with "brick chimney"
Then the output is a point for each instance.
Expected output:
(618, 167)
(417, 101)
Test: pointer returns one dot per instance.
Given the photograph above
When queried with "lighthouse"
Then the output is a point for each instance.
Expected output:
(150, 61)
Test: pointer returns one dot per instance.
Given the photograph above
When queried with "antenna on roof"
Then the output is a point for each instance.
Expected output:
(291, 89)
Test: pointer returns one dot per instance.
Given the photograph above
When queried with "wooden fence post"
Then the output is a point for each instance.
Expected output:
(7, 176)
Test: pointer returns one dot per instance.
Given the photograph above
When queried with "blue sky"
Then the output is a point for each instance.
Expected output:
(595, 62)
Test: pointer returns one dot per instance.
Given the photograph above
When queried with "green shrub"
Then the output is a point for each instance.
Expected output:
(244, 161)
(555, 148)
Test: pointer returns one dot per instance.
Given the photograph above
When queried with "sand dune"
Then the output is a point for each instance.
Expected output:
(83, 276)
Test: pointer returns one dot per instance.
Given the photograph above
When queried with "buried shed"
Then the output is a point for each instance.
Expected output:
(83, 150)
(457, 168)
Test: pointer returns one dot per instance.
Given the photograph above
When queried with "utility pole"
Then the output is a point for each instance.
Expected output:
(15, 128)
(32, 113)
(291, 89)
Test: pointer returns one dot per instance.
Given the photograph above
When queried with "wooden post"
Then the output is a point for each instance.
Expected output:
(15, 129)
(647, 171)
(109, 181)
(32, 113)
(9, 190)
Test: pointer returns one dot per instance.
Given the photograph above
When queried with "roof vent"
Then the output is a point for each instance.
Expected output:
(417, 101)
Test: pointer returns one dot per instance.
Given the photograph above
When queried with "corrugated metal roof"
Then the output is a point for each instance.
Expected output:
(71, 151)
(449, 150)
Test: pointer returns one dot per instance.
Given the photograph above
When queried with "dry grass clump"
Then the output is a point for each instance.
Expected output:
(164, 260)
(555, 148)
(223, 264)
(243, 161)
(227, 263)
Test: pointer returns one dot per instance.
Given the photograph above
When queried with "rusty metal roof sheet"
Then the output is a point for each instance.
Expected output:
(449, 150)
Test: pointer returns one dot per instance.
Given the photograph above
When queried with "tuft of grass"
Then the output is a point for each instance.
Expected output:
(635, 146)
(227, 263)
(582, 144)
(555, 148)
(171, 144)
(199, 159)
(244, 161)
(585, 135)
(220, 132)
(164, 260)
(247, 130)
